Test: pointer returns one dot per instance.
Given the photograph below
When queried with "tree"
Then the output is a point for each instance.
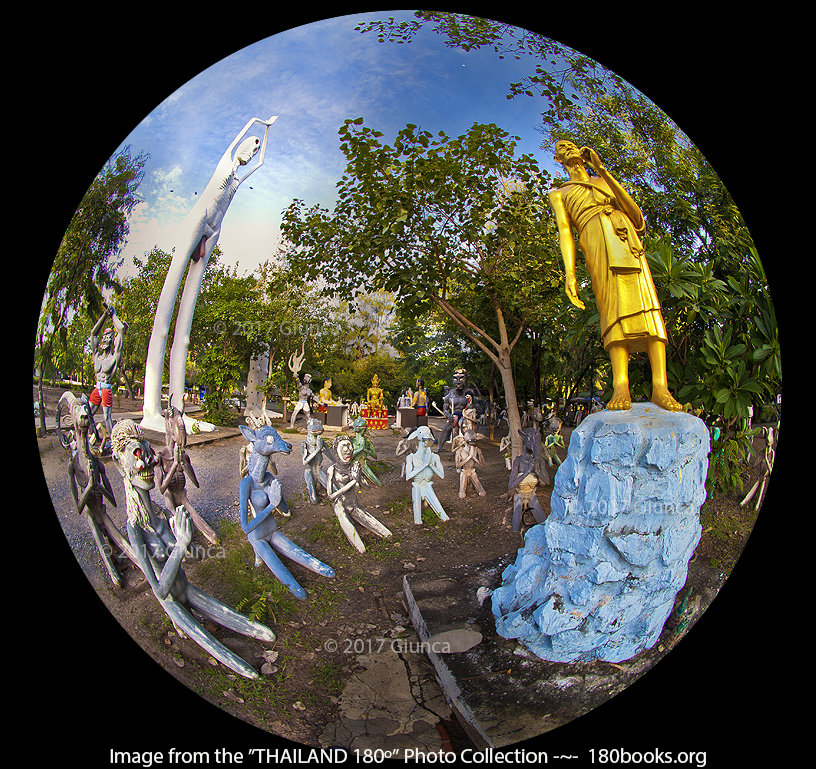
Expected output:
(224, 336)
(444, 223)
(85, 264)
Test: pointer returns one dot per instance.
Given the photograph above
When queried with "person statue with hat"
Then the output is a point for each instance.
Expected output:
(420, 468)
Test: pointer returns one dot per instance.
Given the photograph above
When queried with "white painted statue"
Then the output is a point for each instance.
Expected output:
(420, 468)
(202, 228)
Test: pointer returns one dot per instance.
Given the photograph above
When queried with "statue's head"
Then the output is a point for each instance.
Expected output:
(133, 455)
(360, 425)
(247, 149)
(307, 378)
(343, 449)
(375, 381)
(423, 434)
(420, 383)
(566, 151)
(327, 383)
(106, 340)
(265, 440)
(459, 378)
(314, 426)
(174, 429)
(531, 441)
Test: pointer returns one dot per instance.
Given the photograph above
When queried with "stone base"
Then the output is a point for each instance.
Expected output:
(337, 416)
(406, 417)
(599, 578)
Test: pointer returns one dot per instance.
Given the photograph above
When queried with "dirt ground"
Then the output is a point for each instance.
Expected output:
(298, 692)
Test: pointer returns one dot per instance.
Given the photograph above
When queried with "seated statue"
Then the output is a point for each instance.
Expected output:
(374, 395)
(325, 397)
(420, 399)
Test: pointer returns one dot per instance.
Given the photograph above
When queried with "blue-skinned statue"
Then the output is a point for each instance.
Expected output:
(263, 491)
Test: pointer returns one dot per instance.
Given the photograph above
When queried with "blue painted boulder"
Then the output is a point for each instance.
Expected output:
(598, 579)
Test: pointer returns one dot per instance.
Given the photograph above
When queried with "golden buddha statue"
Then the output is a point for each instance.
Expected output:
(374, 395)
(609, 225)
(324, 396)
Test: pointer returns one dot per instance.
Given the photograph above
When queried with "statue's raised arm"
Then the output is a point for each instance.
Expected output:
(252, 143)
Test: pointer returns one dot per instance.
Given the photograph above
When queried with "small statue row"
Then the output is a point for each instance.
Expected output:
(373, 408)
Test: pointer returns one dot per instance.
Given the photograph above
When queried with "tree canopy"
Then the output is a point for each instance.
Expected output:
(86, 261)
(445, 223)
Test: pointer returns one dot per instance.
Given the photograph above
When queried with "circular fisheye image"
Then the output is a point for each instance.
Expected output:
(407, 386)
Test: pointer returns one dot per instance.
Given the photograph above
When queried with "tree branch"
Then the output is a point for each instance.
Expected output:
(466, 326)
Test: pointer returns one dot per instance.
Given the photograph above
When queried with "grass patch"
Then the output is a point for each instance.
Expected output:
(252, 590)
(330, 676)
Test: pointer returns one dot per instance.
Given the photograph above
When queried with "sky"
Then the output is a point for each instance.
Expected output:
(313, 77)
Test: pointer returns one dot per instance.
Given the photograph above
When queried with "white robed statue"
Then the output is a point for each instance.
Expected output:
(201, 230)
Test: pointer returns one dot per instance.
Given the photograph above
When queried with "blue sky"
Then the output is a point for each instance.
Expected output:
(313, 77)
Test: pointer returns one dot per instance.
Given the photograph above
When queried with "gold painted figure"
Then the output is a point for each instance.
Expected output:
(374, 395)
(325, 397)
(609, 225)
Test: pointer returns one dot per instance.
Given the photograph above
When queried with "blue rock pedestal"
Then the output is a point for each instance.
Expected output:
(598, 579)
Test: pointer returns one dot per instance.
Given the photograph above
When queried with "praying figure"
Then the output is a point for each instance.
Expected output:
(420, 468)
(468, 457)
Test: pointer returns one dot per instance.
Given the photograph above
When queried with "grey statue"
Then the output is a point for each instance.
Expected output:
(106, 350)
(89, 484)
(313, 450)
(305, 393)
(420, 468)
(261, 489)
(343, 479)
(529, 468)
(160, 545)
(174, 467)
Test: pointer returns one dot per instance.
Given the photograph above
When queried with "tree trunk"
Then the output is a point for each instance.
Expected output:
(499, 353)
(128, 385)
(490, 413)
(537, 372)
(513, 416)
(42, 433)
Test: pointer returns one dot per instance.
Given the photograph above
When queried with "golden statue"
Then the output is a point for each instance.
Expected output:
(325, 397)
(609, 225)
(374, 395)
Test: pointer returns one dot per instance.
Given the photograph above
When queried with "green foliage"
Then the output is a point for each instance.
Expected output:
(253, 591)
(223, 342)
(448, 224)
(428, 218)
(355, 378)
(727, 461)
(86, 260)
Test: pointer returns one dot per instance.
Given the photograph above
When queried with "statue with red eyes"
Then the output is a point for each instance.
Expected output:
(159, 544)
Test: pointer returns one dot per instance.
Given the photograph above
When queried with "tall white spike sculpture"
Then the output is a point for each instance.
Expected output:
(201, 230)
